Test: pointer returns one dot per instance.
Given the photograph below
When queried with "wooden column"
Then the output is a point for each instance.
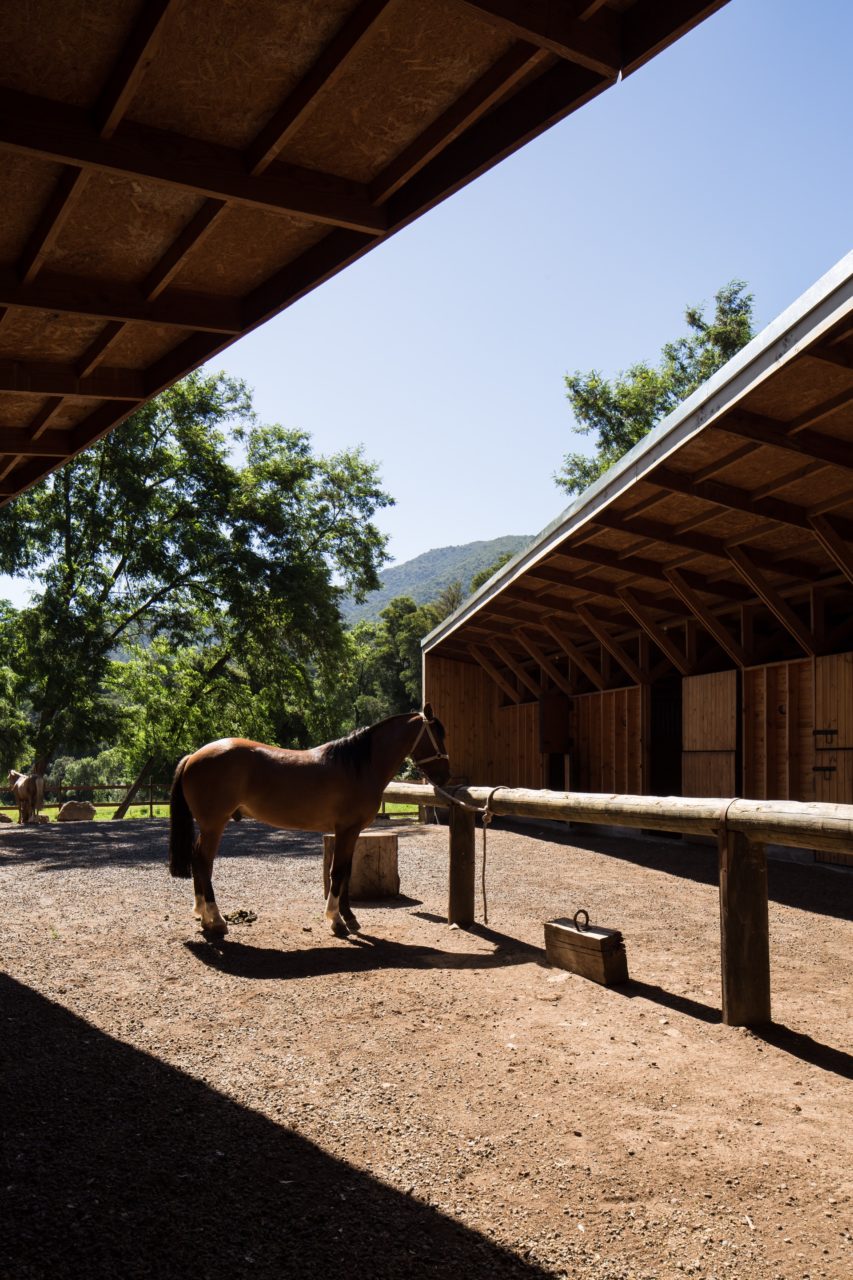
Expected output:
(744, 931)
(460, 902)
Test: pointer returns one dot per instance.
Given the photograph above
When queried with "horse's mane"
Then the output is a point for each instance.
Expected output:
(352, 752)
(355, 750)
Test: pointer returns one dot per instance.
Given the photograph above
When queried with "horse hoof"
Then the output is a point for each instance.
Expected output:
(339, 929)
(352, 924)
(217, 928)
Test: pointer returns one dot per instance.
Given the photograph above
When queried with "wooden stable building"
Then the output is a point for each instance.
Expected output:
(686, 626)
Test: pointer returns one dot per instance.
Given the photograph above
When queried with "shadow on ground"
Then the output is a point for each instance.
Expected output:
(116, 1164)
(80, 845)
(362, 954)
(808, 886)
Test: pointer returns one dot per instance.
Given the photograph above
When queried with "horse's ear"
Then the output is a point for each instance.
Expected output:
(428, 710)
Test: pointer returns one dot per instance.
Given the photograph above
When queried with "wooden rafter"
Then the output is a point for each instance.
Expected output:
(572, 651)
(60, 132)
(834, 544)
(664, 642)
(764, 430)
(612, 645)
(725, 495)
(117, 93)
(703, 544)
(52, 444)
(544, 661)
(45, 379)
(517, 669)
(493, 85)
(327, 70)
(707, 619)
(76, 296)
(594, 43)
(809, 417)
(652, 569)
(777, 605)
(492, 671)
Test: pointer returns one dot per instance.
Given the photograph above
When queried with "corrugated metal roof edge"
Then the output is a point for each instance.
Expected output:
(815, 311)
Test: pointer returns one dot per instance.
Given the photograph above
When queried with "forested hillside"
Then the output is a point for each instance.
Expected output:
(424, 578)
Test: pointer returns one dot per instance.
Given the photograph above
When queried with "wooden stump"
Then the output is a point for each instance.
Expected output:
(374, 866)
(592, 952)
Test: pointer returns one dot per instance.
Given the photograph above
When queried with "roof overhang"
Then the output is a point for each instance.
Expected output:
(175, 173)
(760, 459)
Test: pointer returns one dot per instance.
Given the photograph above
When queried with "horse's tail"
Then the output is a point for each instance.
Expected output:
(181, 831)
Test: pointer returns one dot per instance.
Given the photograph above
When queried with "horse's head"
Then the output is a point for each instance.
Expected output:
(429, 752)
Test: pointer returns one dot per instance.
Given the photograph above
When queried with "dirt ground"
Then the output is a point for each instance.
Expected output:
(417, 1101)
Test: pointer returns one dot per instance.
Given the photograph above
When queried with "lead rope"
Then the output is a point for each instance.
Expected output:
(486, 815)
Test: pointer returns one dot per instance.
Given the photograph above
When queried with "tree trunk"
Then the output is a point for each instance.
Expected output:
(130, 794)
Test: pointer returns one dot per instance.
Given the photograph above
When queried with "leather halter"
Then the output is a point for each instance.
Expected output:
(426, 728)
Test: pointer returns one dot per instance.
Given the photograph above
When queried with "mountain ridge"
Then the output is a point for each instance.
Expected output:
(425, 576)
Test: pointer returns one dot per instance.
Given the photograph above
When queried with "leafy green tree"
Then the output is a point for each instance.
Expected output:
(621, 412)
(157, 531)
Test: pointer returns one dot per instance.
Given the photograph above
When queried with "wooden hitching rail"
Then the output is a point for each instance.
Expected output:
(742, 828)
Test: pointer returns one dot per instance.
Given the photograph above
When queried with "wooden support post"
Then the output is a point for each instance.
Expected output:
(460, 902)
(744, 931)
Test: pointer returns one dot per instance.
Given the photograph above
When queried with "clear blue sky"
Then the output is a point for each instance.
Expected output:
(443, 351)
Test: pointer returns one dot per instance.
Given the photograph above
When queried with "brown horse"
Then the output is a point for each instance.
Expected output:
(336, 787)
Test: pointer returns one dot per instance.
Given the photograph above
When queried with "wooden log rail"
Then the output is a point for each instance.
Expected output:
(742, 828)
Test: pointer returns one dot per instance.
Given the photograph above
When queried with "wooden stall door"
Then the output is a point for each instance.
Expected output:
(833, 737)
(778, 743)
(610, 741)
(709, 735)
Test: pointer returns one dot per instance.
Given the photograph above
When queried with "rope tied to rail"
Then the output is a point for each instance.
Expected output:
(486, 815)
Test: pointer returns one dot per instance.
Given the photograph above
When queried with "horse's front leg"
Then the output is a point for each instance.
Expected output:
(338, 911)
(204, 851)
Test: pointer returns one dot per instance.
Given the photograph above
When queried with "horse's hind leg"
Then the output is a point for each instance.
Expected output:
(338, 911)
(204, 851)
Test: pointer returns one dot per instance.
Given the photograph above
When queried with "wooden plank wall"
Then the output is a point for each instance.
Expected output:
(778, 744)
(783, 758)
(610, 741)
(489, 744)
(709, 735)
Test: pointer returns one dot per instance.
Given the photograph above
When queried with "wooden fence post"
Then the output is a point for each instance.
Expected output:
(460, 902)
(744, 931)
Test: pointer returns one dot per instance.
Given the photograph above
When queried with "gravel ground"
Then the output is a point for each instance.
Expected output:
(419, 1100)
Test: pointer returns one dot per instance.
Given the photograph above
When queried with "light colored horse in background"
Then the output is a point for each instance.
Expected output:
(28, 792)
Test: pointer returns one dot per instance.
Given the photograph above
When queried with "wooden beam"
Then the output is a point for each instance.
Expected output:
(122, 84)
(77, 296)
(711, 624)
(779, 607)
(135, 58)
(47, 379)
(97, 349)
(577, 656)
(819, 411)
(517, 669)
(492, 671)
(594, 44)
(744, 930)
(704, 544)
(667, 646)
(20, 441)
(612, 645)
(326, 71)
(493, 85)
(726, 495)
(769, 431)
(63, 133)
(834, 544)
(53, 218)
(544, 662)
